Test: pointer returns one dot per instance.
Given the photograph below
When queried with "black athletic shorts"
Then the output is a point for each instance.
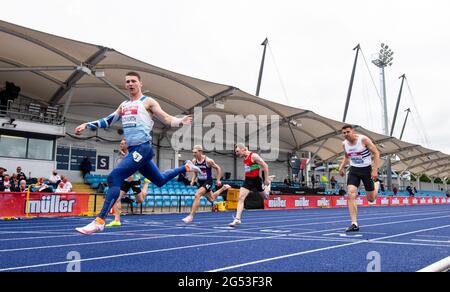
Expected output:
(206, 184)
(253, 184)
(358, 174)
(134, 185)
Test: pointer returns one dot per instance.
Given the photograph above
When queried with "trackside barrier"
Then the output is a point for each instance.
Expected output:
(23, 205)
(441, 266)
(281, 202)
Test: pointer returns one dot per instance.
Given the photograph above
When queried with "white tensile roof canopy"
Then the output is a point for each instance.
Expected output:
(88, 80)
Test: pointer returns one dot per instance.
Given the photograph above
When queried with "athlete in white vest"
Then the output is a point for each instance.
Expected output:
(136, 115)
(358, 153)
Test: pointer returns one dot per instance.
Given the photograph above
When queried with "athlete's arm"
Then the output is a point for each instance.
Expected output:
(211, 163)
(376, 156)
(257, 159)
(152, 105)
(102, 123)
(343, 164)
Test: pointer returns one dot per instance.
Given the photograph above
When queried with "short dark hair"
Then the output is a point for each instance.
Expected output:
(347, 127)
(133, 73)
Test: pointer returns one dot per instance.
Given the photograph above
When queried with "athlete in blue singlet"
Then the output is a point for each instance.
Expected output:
(136, 115)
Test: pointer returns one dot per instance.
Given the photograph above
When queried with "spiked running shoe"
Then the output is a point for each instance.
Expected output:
(187, 219)
(190, 167)
(114, 223)
(235, 222)
(352, 228)
(93, 227)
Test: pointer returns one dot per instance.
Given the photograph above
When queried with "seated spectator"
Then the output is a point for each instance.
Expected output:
(42, 187)
(341, 191)
(54, 179)
(2, 177)
(22, 187)
(414, 190)
(64, 186)
(447, 194)
(20, 175)
(7, 184)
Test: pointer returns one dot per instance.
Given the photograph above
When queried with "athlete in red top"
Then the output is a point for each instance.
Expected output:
(253, 182)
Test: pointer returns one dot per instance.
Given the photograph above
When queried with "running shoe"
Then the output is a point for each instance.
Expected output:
(352, 228)
(114, 223)
(235, 222)
(187, 219)
(93, 227)
(190, 167)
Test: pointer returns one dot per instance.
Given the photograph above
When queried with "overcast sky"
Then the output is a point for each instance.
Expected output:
(309, 59)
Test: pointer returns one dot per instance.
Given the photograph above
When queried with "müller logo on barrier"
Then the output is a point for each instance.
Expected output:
(359, 201)
(277, 203)
(323, 202)
(385, 201)
(50, 204)
(341, 202)
(302, 202)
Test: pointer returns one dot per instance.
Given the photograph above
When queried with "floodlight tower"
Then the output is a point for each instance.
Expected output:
(385, 57)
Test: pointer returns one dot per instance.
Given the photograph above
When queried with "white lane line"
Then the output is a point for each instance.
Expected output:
(321, 249)
(285, 256)
(409, 243)
(133, 254)
(430, 240)
(440, 266)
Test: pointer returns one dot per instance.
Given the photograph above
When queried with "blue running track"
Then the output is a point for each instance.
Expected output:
(390, 239)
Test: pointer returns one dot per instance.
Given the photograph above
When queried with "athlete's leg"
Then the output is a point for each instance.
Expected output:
(373, 194)
(212, 196)
(117, 211)
(140, 198)
(352, 206)
(195, 205)
(137, 156)
(151, 171)
(243, 193)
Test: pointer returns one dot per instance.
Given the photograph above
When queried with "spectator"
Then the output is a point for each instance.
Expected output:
(2, 178)
(447, 194)
(341, 191)
(410, 190)
(395, 190)
(64, 186)
(20, 175)
(414, 190)
(381, 186)
(14, 183)
(42, 187)
(324, 181)
(333, 182)
(313, 180)
(55, 179)
(6, 184)
(85, 166)
(22, 187)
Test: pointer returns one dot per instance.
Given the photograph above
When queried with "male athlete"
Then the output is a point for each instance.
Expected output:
(253, 182)
(137, 120)
(358, 151)
(204, 180)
